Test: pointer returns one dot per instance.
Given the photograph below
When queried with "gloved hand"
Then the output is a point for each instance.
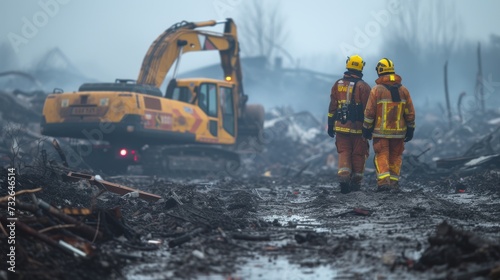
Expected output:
(330, 131)
(367, 133)
(409, 133)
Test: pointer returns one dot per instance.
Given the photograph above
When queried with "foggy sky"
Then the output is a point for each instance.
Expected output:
(108, 39)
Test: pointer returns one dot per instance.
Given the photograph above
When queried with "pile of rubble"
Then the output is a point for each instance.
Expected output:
(72, 224)
(294, 145)
(66, 219)
(450, 247)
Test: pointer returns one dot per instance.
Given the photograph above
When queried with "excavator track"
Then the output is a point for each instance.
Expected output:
(189, 160)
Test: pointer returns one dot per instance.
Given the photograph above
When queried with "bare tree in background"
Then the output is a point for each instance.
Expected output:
(262, 31)
(428, 25)
(8, 58)
(495, 40)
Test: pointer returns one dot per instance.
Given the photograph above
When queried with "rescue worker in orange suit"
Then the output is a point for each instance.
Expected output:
(390, 120)
(348, 99)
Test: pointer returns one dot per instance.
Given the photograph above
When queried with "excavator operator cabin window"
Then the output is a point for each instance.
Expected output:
(203, 97)
(226, 106)
(207, 99)
(182, 94)
(212, 100)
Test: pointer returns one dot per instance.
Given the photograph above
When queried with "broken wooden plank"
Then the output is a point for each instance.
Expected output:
(79, 227)
(56, 146)
(362, 212)
(40, 236)
(452, 162)
(186, 237)
(89, 232)
(112, 187)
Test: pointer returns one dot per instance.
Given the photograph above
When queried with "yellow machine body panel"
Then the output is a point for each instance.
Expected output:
(199, 111)
(86, 107)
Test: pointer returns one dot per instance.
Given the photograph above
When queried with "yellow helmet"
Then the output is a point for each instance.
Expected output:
(384, 66)
(354, 62)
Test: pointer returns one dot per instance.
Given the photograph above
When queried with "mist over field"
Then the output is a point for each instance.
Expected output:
(292, 51)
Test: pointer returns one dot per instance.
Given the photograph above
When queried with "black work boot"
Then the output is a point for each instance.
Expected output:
(395, 187)
(355, 187)
(345, 188)
(383, 188)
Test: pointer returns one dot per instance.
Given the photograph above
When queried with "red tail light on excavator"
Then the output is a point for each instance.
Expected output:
(128, 154)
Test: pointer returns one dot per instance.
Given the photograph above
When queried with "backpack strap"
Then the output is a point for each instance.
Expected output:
(351, 111)
(350, 80)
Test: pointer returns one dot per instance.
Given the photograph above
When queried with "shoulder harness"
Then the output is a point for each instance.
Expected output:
(351, 111)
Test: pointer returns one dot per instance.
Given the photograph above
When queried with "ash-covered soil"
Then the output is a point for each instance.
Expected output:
(274, 228)
(280, 217)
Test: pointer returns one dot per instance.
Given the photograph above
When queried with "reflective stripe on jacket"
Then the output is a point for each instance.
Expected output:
(389, 118)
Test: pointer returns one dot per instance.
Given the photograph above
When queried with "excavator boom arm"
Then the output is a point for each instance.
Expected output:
(182, 38)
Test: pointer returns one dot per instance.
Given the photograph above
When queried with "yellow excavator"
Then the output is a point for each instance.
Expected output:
(193, 120)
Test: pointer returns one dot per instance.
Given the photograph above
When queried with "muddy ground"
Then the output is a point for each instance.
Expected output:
(280, 217)
(275, 228)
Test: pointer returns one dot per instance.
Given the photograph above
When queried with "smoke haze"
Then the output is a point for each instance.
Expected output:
(105, 40)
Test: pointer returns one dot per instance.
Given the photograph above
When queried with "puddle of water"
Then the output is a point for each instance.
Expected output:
(149, 271)
(265, 267)
(362, 227)
(259, 267)
(303, 222)
(281, 268)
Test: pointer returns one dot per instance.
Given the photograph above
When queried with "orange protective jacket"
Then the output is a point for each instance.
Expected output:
(339, 97)
(389, 114)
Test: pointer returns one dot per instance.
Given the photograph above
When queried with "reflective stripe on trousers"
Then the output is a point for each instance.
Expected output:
(353, 152)
(388, 159)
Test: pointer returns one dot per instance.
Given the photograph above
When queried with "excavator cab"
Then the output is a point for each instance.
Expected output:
(214, 98)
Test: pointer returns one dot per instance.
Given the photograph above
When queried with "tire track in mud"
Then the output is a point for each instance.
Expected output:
(395, 231)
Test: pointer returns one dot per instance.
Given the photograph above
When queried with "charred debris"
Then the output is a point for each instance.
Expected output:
(75, 222)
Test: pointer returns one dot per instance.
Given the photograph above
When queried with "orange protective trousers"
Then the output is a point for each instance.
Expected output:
(388, 159)
(353, 152)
